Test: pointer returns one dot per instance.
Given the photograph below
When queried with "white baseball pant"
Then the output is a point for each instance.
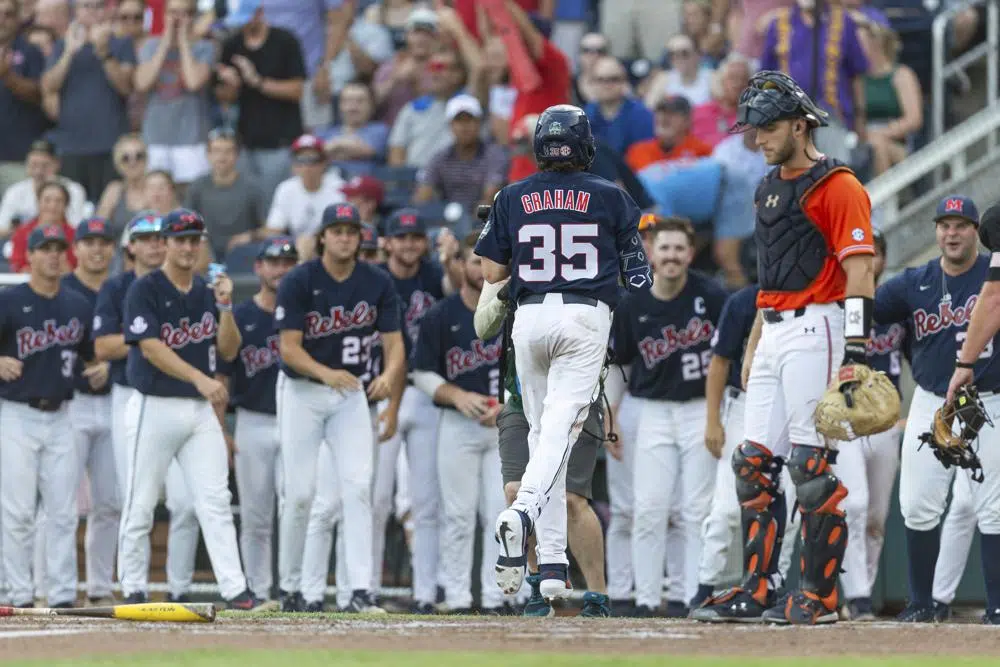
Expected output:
(257, 468)
(559, 352)
(618, 541)
(186, 430)
(311, 415)
(956, 540)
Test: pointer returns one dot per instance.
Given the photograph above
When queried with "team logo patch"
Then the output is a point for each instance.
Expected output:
(555, 128)
(279, 313)
(953, 206)
(565, 151)
(858, 234)
(139, 325)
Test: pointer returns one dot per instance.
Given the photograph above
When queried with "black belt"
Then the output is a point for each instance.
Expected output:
(45, 404)
(733, 392)
(772, 316)
(566, 298)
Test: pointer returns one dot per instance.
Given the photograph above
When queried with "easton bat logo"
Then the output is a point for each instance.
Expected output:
(31, 340)
(655, 350)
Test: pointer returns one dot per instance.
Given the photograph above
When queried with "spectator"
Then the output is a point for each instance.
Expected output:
(673, 142)
(175, 70)
(466, 10)
(686, 76)
(358, 143)
(53, 199)
(92, 111)
(21, 67)
(261, 69)
(744, 166)
(593, 47)
(637, 27)
(130, 16)
(469, 172)
(54, 15)
(161, 192)
(617, 118)
(402, 78)
(393, 15)
(298, 203)
(231, 202)
(495, 87)
(755, 17)
(610, 165)
(368, 45)
(366, 194)
(710, 122)
(20, 201)
(893, 100)
(126, 196)
(421, 128)
(708, 38)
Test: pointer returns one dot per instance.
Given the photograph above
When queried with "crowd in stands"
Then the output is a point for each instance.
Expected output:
(260, 113)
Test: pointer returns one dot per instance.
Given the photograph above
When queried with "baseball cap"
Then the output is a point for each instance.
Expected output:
(245, 9)
(146, 222)
(42, 235)
(369, 238)
(463, 104)
(278, 247)
(422, 18)
(307, 142)
(405, 221)
(365, 186)
(183, 222)
(957, 206)
(93, 228)
(42, 146)
(340, 214)
(674, 104)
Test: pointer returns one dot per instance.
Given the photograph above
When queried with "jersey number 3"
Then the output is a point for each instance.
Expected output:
(549, 258)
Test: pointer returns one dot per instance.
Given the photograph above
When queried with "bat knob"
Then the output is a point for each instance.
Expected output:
(483, 212)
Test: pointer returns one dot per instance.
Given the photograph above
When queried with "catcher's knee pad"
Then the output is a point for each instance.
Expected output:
(824, 525)
(763, 515)
(758, 473)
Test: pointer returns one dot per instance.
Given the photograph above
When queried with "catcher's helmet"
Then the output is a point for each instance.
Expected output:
(772, 96)
(563, 134)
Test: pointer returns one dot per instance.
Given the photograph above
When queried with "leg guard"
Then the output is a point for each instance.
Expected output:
(758, 473)
(824, 526)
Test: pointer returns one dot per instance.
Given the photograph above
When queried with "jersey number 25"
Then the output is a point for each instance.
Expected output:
(549, 258)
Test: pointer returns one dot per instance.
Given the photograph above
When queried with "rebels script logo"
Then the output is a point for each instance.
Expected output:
(458, 361)
(420, 303)
(340, 320)
(186, 333)
(30, 340)
(257, 359)
(655, 350)
(885, 343)
(928, 324)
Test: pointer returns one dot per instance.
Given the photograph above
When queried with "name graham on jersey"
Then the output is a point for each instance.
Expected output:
(186, 333)
(887, 342)
(30, 340)
(256, 359)
(926, 324)
(548, 200)
(340, 320)
(655, 350)
(458, 360)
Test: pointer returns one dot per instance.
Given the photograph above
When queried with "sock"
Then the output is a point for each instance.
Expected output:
(922, 548)
(989, 548)
(704, 591)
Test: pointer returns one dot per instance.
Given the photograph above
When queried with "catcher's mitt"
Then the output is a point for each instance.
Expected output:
(953, 449)
(859, 402)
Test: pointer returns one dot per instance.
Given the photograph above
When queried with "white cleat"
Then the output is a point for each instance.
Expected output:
(513, 528)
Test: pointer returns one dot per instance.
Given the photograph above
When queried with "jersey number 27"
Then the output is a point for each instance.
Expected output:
(550, 257)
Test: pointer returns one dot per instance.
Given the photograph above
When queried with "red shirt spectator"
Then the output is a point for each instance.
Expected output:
(466, 9)
(711, 121)
(53, 198)
(556, 80)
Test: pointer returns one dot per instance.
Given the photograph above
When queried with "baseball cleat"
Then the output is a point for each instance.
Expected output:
(676, 609)
(859, 610)
(363, 602)
(595, 605)
(512, 530)
(105, 601)
(942, 612)
(553, 581)
(423, 608)
(732, 606)
(314, 607)
(292, 602)
(991, 617)
(537, 605)
(800, 609)
(246, 601)
(916, 613)
(645, 611)
(136, 598)
(183, 598)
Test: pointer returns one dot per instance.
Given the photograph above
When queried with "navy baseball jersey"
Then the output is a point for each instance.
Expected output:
(47, 335)
(448, 345)
(338, 320)
(885, 350)
(186, 323)
(936, 309)
(733, 331)
(109, 316)
(670, 342)
(416, 296)
(70, 281)
(253, 374)
(565, 232)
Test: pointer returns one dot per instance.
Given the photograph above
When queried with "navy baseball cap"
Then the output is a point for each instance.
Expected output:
(183, 222)
(406, 221)
(50, 233)
(957, 206)
(369, 238)
(340, 214)
(279, 247)
(93, 228)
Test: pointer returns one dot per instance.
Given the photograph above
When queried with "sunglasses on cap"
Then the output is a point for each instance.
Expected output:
(146, 226)
(187, 223)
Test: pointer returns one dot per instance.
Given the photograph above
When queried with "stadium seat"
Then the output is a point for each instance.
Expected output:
(241, 258)
(399, 183)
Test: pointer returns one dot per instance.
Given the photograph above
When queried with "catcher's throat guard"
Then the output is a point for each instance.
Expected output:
(951, 446)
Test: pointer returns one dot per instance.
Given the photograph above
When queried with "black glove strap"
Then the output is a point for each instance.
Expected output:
(856, 352)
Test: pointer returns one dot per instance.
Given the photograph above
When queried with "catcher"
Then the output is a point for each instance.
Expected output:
(814, 245)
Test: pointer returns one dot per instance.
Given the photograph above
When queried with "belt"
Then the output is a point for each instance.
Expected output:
(772, 316)
(733, 393)
(566, 299)
(45, 404)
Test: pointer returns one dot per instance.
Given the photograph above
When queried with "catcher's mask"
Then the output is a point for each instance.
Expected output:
(955, 449)
(772, 96)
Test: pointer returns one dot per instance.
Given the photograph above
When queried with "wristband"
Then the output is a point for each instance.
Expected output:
(858, 312)
(856, 351)
(224, 307)
(964, 364)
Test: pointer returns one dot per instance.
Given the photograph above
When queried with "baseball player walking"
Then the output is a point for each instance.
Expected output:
(144, 249)
(565, 237)
(461, 372)
(177, 327)
(328, 311)
(814, 243)
(44, 329)
(662, 341)
(90, 412)
(251, 383)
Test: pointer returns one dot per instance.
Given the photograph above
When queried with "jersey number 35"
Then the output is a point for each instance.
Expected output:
(549, 258)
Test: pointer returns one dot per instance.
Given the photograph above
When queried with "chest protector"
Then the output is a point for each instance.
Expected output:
(791, 250)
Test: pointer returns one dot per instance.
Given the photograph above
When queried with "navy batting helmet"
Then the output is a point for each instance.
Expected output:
(563, 135)
(772, 96)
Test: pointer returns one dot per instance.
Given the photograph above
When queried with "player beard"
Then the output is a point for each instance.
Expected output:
(784, 154)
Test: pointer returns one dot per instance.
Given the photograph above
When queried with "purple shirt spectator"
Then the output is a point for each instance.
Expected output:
(634, 122)
(306, 19)
(788, 46)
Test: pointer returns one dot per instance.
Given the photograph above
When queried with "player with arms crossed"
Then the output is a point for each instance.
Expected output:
(814, 243)
(565, 237)
(176, 326)
(328, 312)
(44, 329)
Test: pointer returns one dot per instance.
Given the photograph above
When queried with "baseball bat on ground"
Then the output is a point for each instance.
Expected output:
(150, 612)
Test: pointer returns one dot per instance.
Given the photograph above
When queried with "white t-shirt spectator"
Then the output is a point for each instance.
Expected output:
(502, 101)
(20, 201)
(300, 212)
(698, 92)
(375, 40)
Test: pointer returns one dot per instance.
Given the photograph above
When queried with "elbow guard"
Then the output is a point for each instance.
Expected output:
(490, 311)
(634, 267)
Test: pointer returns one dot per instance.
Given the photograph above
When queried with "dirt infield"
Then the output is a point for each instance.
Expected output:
(62, 638)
